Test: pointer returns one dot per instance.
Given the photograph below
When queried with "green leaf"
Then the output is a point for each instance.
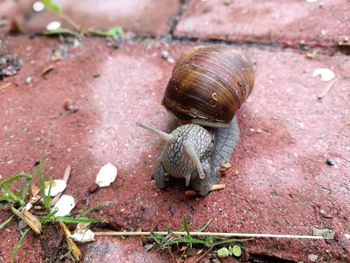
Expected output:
(231, 251)
(18, 244)
(69, 219)
(223, 252)
(8, 220)
(52, 6)
(236, 250)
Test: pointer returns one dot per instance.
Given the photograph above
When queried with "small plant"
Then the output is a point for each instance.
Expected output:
(229, 251)
(112, 33)
(15, 194)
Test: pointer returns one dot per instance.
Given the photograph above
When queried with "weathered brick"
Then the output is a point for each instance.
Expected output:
(290, 23)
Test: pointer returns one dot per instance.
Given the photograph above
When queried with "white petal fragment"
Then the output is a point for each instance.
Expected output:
(58, 186)
(106, 175)
(38, 6)
(311, 1)
(64, 205)
(86, 235)
(54, 25)
(324, 74)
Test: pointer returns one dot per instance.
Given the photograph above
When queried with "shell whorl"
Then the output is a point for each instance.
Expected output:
(209, 83)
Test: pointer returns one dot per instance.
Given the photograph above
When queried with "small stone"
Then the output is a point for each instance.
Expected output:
(70, 106)
(28, 80)
(330, 161)
(165, 54)
(347, 236)
(171, 60)
(312, 257)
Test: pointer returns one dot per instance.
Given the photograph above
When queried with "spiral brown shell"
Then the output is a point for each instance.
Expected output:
(209, 84)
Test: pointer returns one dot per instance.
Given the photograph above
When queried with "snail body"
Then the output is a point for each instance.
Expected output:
(207, 86)
(186, 153)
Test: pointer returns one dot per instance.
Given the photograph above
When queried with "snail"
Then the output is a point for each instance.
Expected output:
(207, 86)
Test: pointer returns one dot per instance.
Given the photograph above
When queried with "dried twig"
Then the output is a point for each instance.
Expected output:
(326, 89)
(216, 234)
(6, 85)
(65, 178)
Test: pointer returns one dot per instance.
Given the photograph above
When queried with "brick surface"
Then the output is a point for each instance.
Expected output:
(146, 17)
(290, 23)
(279, 182)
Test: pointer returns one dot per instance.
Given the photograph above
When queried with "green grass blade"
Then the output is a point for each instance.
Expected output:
(68, 219)
(47, 218)
(225, 241)
(113, 32)
(25, 190)
(15, 178)
(83, 213)
(18, 244)
(204, 226)
(9, 195)
(47, 198)
(8, 220)
(186, 226)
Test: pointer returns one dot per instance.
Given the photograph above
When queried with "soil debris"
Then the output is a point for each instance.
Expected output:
(9, 65)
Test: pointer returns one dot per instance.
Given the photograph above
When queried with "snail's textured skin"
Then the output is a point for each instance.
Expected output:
(174, 159)
(225, 140)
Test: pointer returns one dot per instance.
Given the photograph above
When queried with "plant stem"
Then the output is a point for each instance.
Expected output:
(182, 233)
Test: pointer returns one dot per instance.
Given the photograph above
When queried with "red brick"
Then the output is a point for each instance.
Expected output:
(279, 181)
(146, 17)
(290, 23)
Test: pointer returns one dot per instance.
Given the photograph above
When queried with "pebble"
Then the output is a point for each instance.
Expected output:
(165, 54)
(330, 161)
(312, 257)
(28, 80)
(92, 189)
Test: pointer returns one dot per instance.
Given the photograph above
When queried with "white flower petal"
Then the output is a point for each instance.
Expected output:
(324, 74)
(83, 236)
(106, 175)
(64, 205)
(58, 186)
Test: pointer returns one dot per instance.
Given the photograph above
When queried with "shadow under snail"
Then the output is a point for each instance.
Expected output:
(208, 85)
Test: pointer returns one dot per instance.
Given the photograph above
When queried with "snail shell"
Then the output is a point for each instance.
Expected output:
(208, 85)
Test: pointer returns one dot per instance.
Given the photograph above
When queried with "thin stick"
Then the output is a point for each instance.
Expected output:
(216, 234)
(65, 178)
(326, 90)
